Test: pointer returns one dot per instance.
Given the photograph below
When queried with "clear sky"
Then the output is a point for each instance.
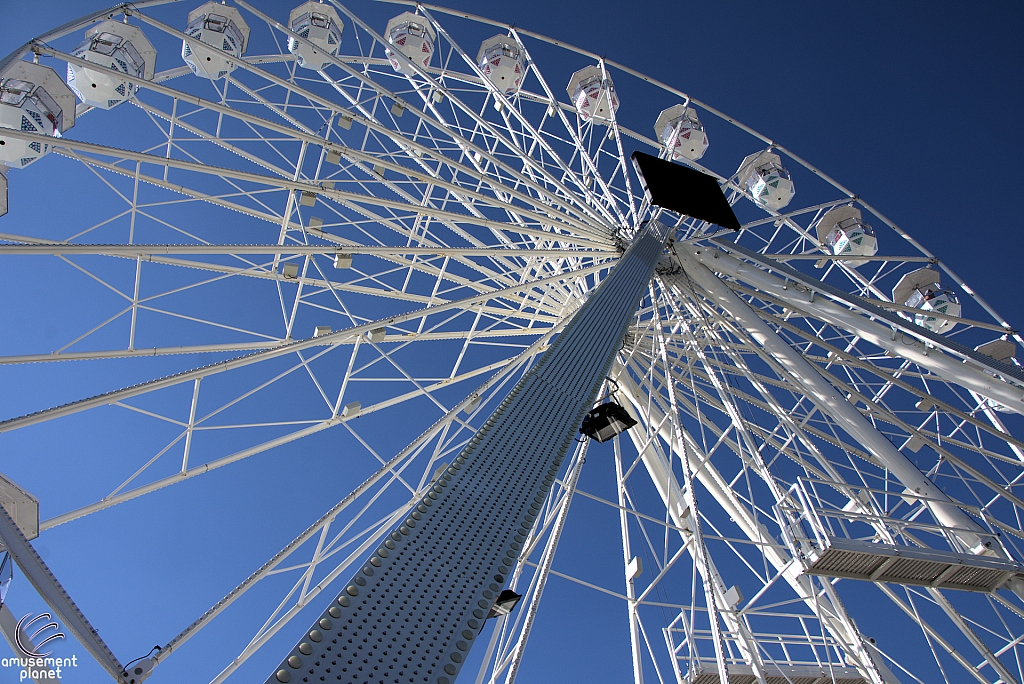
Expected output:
(913, 106)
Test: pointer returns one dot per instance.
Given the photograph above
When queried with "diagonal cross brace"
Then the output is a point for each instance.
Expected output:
(414, 610)
(53, 593)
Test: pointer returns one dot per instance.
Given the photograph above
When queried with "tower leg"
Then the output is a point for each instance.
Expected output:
(417, 606)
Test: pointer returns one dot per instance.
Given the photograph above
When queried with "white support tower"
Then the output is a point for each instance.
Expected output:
(465, 533)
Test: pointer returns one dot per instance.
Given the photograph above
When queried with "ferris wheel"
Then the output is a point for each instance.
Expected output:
(369, 354)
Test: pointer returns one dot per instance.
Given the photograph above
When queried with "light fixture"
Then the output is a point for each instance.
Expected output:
(504, 604)
(605, 421)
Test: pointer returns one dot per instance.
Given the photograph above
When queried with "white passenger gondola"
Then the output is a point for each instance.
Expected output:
(319, 24)
(217, 39)
(680, 131)
(593, 94)
(842, 232)
(502, 61)
(921, 290)
(766, 179)
(412, 36)
(33, 99)
(115, 47)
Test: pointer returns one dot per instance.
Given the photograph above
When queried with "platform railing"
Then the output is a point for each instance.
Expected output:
(837, 530)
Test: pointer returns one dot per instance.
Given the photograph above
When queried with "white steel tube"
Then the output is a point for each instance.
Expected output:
(830, 402)
(943, 365)
(833, 616)
(634, 632)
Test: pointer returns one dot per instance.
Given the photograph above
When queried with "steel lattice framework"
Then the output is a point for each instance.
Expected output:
(292, 306)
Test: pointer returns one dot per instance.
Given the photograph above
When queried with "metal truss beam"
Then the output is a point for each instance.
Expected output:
(139, 250)
(832, 614)
(881, 335)
(142, 388)
(420, 601)
(21, 550)
(582, 235)
(846, 415)
(579, 207)
(351, 153)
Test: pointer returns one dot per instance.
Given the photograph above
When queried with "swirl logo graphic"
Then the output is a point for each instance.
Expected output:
(23, 626)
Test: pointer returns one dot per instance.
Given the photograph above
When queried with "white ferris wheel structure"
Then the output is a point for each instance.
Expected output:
(327, 298)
